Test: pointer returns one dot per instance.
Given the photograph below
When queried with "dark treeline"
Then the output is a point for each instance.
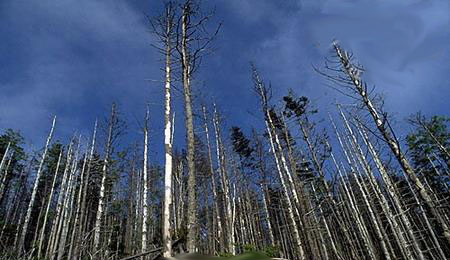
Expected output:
(305, 185)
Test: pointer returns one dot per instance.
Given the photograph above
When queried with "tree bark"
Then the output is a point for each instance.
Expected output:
(101, 203)
(35, 188)
(168, 131)
(353, 74)
(186, 70)
(145, 184)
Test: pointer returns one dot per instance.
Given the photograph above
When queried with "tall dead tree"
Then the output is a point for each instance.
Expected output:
(83, 195)
(2, 163)
(186, 70)
(101, 203)
(193, 41)
(273, 138)
(35, 188)
(394, 194)
(225, 185)
(216, 214)
(145, 184)
(349, 78)
(54, 233)
(164, 28)
(44, 224)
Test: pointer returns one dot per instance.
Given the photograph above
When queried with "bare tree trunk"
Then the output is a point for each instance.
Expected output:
(267, 215)
(213, 183)
(393, 193)
(44, 224)
(137, 227)
(68, 206)
(355, 211)
(225, 184)
(35, 187)
(353, 74)
(101, 202)
(54, 233)
(186, 68)
(145, 182)
(168, 131)
(299, 247)
(83, 194)
(78, 207)
(15, 205)
(3, 178)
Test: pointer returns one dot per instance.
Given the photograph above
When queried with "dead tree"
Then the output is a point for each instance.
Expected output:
(164, 28)
(347, 75)
(35, 188)
(192, 41)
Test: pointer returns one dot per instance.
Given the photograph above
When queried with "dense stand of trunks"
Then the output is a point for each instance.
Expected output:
(296, 188)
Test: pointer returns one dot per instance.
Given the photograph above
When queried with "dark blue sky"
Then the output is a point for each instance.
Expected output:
(73, 58)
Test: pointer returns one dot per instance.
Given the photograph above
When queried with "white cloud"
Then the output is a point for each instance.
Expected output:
(74, 54)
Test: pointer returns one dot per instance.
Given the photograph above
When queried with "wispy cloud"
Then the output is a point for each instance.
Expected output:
(70, 58)
(73, 58)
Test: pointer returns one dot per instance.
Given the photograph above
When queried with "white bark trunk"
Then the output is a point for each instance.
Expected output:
(273, 136)
(145, 183)
(397, 202)
(83, 193)
(44, 224)
(54, 233)
(35, 187)
(218, 218)
(68, 207)
(168, 134)
(3, 177)
(368, 244)
(360, 89)
(186, 69)
(290, 209)
(78, 208)
(101, 203)
(225, 185)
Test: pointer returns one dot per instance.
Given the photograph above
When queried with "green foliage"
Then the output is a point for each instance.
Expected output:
(225, 255)
(421, 142)
(271, 251)
(248, 248)
(425, 144)
(241, 145)
(296, 107)
(268, 251)
(250, 256)
(16, 141)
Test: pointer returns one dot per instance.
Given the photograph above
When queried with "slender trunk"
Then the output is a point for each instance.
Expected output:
(84, 195)
(224, 181)
(192, 205)
(218, 218)
(145, 182)
(68, 208)
(39, 218)
(389, 137)
(3, 178)
(318, 166)
(299, 247)
(393, 193)
(35, 188)
(44, 224)
(355, 211)
(290, 209)
(264, 189)
(168, 131)
(101, 202)
(267, 214)
(78, 208)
